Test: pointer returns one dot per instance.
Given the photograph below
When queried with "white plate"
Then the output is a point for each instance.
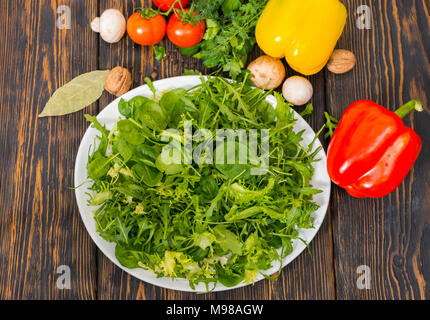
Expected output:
(109, 116)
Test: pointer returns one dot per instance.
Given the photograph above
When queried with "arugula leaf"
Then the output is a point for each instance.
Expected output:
(331, 125)
(105, 133)
(151, 86)
(308, 110)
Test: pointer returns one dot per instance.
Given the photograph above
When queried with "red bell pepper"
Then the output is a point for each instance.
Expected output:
(372, 151)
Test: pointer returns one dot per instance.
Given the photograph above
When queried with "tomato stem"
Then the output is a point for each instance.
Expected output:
(184, 16)
(172, 8)
(408, 107)
(148, 13)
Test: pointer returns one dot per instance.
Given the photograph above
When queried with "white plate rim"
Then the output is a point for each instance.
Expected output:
(109, 115)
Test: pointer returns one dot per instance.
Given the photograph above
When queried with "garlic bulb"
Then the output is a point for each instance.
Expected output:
(111, 25)
(297, 90)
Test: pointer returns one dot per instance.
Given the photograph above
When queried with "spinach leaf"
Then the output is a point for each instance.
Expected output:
(98, 168)
(132, 190)
(122, 147)
(143, 151)
(131, 132)
(148, 175)
(125, 108)
(168, 168)
(128, 258)
(207, 188)
(168, 101)
(151, 114)
(183, 106)
(228, 277)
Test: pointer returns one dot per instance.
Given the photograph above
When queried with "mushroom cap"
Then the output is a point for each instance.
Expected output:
(267, 72)
(95, 25)
(297, 90)
(112, 25)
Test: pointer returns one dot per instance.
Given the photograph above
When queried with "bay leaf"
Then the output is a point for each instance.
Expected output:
(77, 94)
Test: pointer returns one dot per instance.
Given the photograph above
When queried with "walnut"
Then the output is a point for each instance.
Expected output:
(341, 61)
(118, 81)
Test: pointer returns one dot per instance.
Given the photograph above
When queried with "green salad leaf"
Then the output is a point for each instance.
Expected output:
(208, 223)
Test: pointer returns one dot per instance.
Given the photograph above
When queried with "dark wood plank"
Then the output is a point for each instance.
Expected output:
(390, 235)
(305, 278)
(40, 226)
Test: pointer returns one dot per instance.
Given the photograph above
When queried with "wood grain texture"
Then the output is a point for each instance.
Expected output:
(40, 223)
(40, 226)
(390, 235)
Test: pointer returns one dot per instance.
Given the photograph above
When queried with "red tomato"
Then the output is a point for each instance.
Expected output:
(146, 31)
(185, 35)
(165, 5)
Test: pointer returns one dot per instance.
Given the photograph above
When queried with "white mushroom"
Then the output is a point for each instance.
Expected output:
(111, 25)
(95, 25)
(267, 72)
(297, 90)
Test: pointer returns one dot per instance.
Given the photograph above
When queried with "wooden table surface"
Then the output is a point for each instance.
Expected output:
(40, 226)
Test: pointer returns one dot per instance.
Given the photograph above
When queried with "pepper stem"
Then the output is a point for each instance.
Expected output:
(407, 108)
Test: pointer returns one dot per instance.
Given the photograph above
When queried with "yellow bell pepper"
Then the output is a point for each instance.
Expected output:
(305, 32)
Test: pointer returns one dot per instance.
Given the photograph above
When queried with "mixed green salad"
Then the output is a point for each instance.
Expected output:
(205, 222)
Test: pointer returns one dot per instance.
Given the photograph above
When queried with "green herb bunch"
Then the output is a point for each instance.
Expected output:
(207, 223)
(230, 34)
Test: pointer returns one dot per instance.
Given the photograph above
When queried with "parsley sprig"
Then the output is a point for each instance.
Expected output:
(229, 38)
